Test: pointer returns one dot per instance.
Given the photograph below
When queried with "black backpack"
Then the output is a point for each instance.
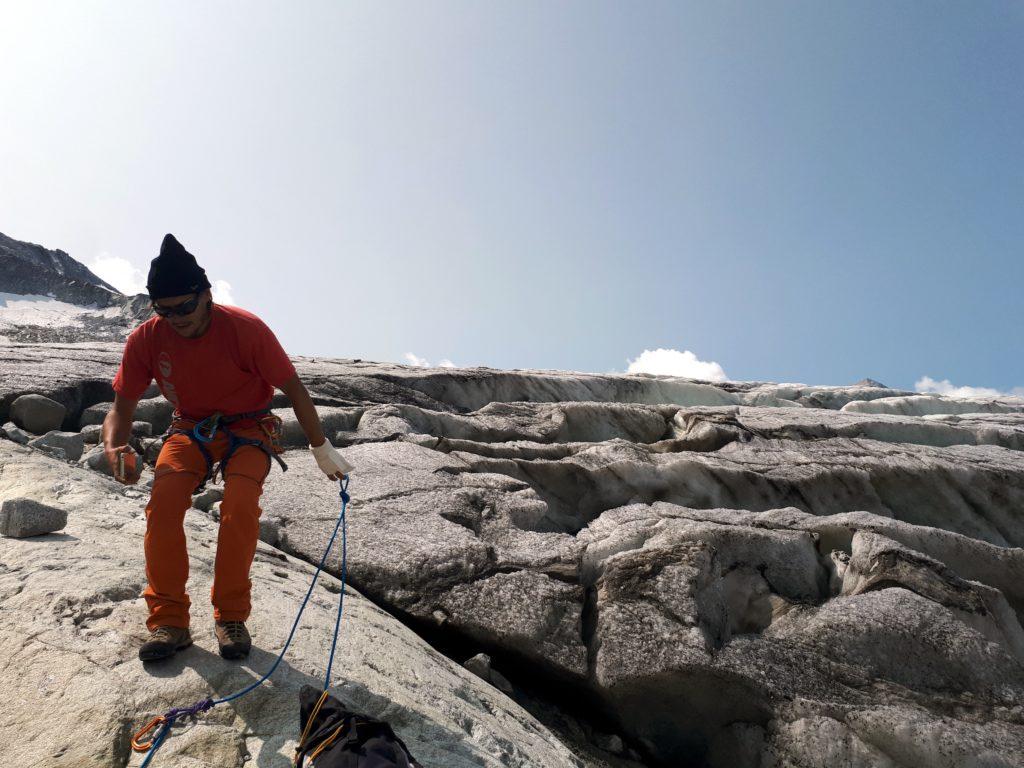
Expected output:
(333, 737)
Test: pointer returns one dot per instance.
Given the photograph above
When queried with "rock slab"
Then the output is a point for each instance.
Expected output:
(70, 444)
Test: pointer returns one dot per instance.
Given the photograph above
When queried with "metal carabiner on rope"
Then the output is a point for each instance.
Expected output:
(207, 434)
(143, 746)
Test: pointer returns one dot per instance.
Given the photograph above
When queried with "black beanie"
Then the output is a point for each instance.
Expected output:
(174, 272)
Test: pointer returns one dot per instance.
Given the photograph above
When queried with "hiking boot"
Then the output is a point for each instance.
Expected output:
(233, 639)
(164, 642)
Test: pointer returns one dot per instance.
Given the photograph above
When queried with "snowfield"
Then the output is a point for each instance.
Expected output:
(18, 310)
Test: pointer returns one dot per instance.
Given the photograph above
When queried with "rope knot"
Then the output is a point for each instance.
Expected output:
(195, 709)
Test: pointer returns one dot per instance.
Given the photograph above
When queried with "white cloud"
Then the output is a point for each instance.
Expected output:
(120, 273)
(222, 292)
(928, 385)
(130, 280)
(672, 362)
(419, 362)
(422, 362)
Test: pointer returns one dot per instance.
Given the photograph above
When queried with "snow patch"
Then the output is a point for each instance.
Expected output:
(45, 311)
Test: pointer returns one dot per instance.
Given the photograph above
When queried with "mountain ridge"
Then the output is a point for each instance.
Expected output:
(48, 296)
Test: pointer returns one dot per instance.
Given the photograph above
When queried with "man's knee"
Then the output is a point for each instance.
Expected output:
(243, 486)
(172, 490)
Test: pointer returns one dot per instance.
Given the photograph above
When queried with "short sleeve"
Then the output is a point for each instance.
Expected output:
(270, 359)
(134, 373)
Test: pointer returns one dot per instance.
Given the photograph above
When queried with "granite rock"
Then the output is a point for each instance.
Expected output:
(37, 414)
(22, 517)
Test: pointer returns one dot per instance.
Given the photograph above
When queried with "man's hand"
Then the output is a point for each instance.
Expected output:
(117, 428)
(124, 464)
(330, 461)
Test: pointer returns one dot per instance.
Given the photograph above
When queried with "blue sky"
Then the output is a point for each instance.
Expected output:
(796, 191)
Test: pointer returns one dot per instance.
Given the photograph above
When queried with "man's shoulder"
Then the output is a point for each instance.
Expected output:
(240, 317)
(245, 323)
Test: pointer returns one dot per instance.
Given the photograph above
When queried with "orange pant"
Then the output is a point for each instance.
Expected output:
(179, 469)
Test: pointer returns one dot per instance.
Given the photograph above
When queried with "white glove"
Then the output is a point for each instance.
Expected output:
(329, 460)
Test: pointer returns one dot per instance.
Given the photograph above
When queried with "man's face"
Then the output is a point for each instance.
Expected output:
(193, 324)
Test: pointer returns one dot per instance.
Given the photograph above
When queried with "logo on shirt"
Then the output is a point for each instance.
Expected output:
(163, 364)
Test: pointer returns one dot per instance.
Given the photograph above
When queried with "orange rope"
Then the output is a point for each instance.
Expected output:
(309, 724)
(326, 742)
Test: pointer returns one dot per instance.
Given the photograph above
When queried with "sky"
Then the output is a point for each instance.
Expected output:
(788, 191)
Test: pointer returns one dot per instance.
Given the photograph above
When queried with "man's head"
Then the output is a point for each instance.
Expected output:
(179, 289)
(189, 315)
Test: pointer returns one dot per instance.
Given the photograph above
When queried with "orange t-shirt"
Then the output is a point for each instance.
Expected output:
(232, 368)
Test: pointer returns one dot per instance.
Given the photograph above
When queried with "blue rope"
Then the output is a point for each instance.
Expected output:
(206, 704)
(341, 600)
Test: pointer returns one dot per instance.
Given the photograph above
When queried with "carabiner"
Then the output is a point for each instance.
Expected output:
(143, 746)
(210, 432)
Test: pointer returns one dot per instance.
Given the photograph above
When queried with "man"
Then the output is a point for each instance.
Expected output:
(208, 360)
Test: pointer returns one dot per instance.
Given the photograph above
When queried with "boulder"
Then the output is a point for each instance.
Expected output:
(149, 449)
(92, 434)
(21, 517)
(13, 432)
(157, 411)
(37, 414)
(71, 444)
(480, 665)
(94, 414)
(96, 460)
(208, 497)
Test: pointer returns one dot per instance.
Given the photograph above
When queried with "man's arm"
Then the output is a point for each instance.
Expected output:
(327, 458)
(305, 411)
(117, 428)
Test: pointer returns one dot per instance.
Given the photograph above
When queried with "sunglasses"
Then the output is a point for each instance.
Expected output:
(185, 308)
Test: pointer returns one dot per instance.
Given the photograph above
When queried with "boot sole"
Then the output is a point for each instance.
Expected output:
(159, 655)
(232, 654)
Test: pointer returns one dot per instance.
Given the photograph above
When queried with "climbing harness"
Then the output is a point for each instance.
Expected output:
(205, 430)
(166, 721)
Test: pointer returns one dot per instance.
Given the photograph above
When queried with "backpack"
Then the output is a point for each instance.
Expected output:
(334, 737)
